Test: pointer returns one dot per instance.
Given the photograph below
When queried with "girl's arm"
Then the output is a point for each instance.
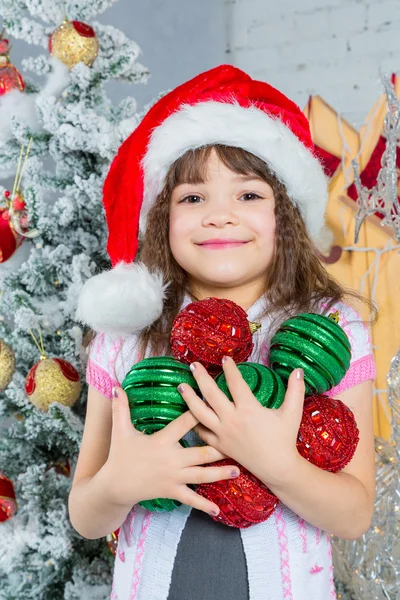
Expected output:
(341, 503)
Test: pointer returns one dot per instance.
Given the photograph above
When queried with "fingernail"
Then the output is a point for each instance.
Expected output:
(193, 367)
(181, 388)
(299, 374)
(214, 512)
(115, 392)
(235, 473)
(224, 359)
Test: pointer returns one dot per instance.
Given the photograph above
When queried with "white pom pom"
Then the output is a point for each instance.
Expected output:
(325, 240)
(122, 301)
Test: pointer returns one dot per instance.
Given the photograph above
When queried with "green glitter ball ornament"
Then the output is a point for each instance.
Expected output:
(154, 401)
(266, 385)
(315, 343)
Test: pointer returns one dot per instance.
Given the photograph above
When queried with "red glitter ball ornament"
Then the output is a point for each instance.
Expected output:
(8, 504)
(209, 329)
(242, 501)
(10, 79)
(328, 434)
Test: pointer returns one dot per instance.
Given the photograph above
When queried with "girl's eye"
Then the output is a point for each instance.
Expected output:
(250, 196)
(192, 199)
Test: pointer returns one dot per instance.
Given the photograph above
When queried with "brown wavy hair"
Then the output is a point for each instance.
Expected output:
(295, 281)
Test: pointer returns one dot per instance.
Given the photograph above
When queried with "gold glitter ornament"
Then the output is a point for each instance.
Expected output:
(7, 365)
(52, 380)
(73, 42)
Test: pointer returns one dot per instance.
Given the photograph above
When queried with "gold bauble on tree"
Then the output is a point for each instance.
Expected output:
(52, 380)
(73, 42)
(7, 365)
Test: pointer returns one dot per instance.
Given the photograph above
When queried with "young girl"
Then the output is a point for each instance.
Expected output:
(221, 183)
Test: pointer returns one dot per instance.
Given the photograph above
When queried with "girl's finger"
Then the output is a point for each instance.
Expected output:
(179, 427)
(238, 388)
(211, 392)
(198, 407)
(295, 393)
(199, 475)
(206, 435)
(201, 455)
(189, 497)
(121, 416)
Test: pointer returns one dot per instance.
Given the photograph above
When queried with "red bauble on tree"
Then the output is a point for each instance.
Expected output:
(209, 329)
(328, 434)
(8, 505)
(242, 501)
(10, 77)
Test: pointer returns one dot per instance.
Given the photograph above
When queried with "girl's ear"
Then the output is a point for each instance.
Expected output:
(122, 301)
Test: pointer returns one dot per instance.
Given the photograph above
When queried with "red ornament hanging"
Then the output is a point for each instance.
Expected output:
(10, 77)
(10, 240)
(242, 501)
(8, 505)
(209, 329)
(328, 434)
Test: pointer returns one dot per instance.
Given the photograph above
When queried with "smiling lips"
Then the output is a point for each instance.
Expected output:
(219, 244)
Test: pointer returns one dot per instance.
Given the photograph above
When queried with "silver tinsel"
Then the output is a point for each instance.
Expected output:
(369, 568)
(383, 197)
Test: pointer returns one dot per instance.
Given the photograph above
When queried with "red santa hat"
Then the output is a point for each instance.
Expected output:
(221, 106)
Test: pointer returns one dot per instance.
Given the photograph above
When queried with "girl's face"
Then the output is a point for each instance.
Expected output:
(222, 233)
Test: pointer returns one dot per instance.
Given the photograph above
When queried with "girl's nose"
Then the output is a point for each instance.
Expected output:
(219, 217)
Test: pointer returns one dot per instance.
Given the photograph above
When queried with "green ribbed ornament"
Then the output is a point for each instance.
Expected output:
(266, 385)
(315, 343)
(154, 401)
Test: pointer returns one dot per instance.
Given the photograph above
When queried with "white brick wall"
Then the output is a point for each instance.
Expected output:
(335, 48)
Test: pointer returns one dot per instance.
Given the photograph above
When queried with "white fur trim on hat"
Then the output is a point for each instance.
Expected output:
(265, 136)
(124, 300)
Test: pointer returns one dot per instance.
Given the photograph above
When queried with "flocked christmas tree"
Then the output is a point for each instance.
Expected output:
(62, 136)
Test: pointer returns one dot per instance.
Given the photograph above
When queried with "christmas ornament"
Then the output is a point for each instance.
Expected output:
(14, 223)
(112, 541)
(7, 365)
(154, 401)
(315, 343)
(51, 380)
(10, 77)
(242, 501)
(328, 434)
(8, 505)
(207, 330)
(73, 42)
(265, 384)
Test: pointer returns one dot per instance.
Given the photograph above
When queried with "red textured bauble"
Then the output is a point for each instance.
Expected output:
(10, 79)
(209, 329)
(8, 505)
(328, 434)
(9, 239)
(243, 501)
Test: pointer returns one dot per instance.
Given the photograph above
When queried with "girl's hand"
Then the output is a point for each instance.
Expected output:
(262, 440)
(142, 467)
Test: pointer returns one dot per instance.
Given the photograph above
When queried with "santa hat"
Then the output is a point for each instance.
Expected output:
(222, 106)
